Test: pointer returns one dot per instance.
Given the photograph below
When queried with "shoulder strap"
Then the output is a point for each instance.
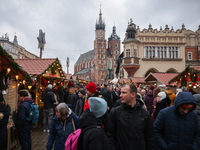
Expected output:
(73, 123)
(90, 127)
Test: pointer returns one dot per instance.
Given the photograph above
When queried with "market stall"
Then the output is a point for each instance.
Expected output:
(12, 78)
(190, 78)
(43, 72)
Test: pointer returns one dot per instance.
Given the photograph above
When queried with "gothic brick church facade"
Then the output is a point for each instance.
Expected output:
(99, 64)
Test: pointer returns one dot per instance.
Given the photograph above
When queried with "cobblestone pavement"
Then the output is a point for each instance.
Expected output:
(39, 140)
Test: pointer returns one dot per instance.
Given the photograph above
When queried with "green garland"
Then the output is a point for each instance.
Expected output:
(14, 65)
(53, 68)
(187, 69)
(193, 77)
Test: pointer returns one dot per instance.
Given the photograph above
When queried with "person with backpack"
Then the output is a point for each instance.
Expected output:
(48, 100)
(62, 125)
(130, 124)
(92, 135)
(23, 125)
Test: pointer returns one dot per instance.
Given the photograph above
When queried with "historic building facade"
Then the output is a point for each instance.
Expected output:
(153, 50)
(99, 64)
(14, 49)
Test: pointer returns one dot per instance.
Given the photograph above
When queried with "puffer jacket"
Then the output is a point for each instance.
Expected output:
(175, 131)
(92, 138)
(60, 130)
(132, 127)
(172, 97)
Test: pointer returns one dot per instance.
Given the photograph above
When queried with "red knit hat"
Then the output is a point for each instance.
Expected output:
(92, 87)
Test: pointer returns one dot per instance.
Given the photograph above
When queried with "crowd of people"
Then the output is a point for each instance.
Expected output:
(110, 116)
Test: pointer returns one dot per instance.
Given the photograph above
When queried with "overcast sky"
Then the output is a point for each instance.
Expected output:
(69, 25)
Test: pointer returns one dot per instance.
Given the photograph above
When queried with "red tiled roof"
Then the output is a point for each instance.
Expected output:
(134, 79)
(35, 66)
(164, 77)
(195, 67)
(68, 76)
(139, 79)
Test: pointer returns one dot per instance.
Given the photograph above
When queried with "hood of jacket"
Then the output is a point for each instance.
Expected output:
(47, 90)
(169, 92)
(88, 119)
(184, 98)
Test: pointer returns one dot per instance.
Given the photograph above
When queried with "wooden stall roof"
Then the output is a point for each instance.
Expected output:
(35, 66)
(161, 77)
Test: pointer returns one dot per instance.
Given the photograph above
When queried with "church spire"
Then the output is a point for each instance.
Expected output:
(100, 25)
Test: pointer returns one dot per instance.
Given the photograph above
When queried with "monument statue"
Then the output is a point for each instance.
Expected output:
(41, 41)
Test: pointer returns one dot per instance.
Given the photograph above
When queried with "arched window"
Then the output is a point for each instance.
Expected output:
(165, 52)
(161, 52)
(176, 52)
(158, 52)
(153, 52)
(147, 52)
(170, 52)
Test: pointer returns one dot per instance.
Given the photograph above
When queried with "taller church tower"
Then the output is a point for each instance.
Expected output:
(99, 72)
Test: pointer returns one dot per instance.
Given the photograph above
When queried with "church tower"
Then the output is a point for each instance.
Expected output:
(99, 72)
(114, 49)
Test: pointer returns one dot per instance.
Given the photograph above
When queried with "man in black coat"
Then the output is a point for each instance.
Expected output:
(130, 124)
(48, 100)
(108, 96)
(92, 135)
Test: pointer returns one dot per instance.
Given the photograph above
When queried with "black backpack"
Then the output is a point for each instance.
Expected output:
(109, 143)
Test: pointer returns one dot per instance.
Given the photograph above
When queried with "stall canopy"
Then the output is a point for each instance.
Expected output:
(160, 78)
(133, 80)
(115, 80)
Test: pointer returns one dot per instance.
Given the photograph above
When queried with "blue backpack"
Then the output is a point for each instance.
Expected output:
(33, 113)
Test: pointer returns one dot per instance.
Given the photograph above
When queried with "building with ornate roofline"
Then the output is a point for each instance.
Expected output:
(152, 50)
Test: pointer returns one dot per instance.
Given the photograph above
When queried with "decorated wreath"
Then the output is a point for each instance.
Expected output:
(183, 82)
(193, 77)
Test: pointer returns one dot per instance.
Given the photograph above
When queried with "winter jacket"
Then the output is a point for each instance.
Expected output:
(108, 96)
(79, 106)
(22, 114)
(72, 100)
(48, 98)
(172, 97)
(163, 104)
(3, 126)
(92, 138)
(175, 131)
(132, 127)
(149, 101)
(197, 99)
(60, 130)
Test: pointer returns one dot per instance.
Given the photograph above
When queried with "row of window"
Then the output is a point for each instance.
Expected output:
(128, 53)
(161, 52)
(116, 45)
